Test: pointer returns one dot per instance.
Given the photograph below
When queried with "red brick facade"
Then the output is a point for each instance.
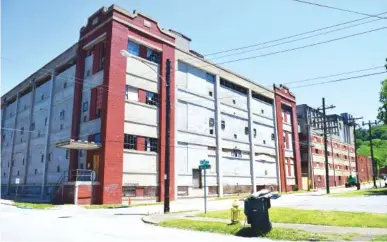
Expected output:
(283, 98)
(115, 26)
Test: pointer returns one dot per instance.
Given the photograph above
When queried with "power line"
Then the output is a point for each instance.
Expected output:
(340, 80)
(295, 40)
(302, 47)
(340, 9)
(291, 36)
(333, 75)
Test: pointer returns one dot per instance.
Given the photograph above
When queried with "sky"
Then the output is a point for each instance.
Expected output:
(34, 32)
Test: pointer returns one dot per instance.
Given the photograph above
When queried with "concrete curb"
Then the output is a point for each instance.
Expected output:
(148, 220)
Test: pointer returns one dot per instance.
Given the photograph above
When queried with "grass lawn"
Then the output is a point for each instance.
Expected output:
(301, 216)
(238, 230)
(232, 197)
(367, 192)
(106, 206)
(34, 205)
(380, 238)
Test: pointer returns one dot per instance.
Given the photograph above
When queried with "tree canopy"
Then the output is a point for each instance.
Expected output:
(382, 111)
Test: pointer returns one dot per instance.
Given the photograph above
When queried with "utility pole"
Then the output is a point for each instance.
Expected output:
(168, 135)
(326, 143)
(374, 171)
(354, 141)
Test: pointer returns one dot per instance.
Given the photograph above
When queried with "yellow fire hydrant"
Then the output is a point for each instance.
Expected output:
(235, 213)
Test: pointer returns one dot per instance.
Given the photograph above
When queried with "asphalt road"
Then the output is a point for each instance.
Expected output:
(69, 223)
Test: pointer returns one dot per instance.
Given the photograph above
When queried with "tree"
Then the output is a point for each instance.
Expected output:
(382, 111)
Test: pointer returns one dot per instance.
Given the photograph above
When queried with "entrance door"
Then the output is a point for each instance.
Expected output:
(196, 178)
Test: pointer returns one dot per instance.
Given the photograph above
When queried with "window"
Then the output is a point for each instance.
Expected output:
(151, 144)
(153, 56)
(133, 48)
(81, 166)
(130, 142)
(272, 136)
(84, 118)
(319, 178)
(236, 153)
(246, 130)
(49, 157)
(45, 122)
(152, 98)
(211, 122)
(211, 131)
(32, 126)
(23, 161)
(316, 151)
(97, 138)
(85, 106)
(99, 111)
(235, 136)
(284, 139)
(67, 154)
(255, 132)
(64, 85)
(101, 61)
(210, 77)
(3, 173)
(264, 142)
(81, 153)
(62, 115)
(42, 97)
(18, 173)
(233, 101)
(22, 130)
(223, 124)
(42, 158)
(210, 93)
(36, 171)
(127, 92)
(58, 169)
(233, 86)
(339, 125)
(61, 127)
(262, 111)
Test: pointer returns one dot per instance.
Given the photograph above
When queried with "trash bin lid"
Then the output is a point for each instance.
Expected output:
(262, 193)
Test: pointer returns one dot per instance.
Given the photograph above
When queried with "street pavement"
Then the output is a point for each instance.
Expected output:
(71, 223)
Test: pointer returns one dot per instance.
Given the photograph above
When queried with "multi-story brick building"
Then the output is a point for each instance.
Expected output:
(101, 106)
(341, 147)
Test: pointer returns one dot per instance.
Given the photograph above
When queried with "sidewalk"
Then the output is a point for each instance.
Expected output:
(158, 218)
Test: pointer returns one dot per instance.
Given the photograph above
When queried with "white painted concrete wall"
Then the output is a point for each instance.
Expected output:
(195, 105)
(33, 165)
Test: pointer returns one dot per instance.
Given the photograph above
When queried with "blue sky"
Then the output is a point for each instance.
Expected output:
(34, 32)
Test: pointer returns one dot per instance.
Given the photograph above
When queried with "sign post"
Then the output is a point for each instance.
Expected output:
(17, 181)
(204, 165)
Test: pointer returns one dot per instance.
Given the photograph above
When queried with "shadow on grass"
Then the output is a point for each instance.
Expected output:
(377, 192)
(249, 232)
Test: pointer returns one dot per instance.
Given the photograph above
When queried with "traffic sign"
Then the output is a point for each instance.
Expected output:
(204, 167)
(204, 162)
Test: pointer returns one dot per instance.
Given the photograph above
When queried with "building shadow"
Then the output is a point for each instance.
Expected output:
(377, 192)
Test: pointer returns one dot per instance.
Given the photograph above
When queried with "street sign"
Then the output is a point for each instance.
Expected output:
(17, 180)
(205, 165)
